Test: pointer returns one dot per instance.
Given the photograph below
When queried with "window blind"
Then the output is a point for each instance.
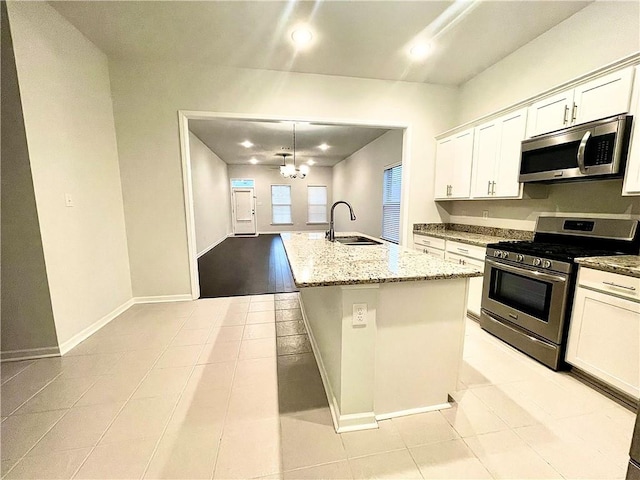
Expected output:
(317, 201)
(281, 204)
(392, 188)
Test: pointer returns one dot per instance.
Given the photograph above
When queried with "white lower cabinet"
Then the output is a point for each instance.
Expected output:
(430, 245)
(604, 333)
(474, 256)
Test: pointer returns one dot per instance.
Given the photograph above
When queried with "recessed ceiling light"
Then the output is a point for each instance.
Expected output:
(253, 161)
(247, 144)
(301, 36)
(323, 147)
(311, 162)
(420, 50)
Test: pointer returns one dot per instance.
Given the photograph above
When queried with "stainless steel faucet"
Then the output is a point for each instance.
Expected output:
(331, 233)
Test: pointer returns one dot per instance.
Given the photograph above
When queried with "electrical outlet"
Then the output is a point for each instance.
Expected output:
(485, 214)
(359, 315)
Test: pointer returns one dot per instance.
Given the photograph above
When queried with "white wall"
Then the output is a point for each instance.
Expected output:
(211, 195)
(265, 177)
(27, 326)
(358, 180)
(147, 97)
(600, 33)
(66, 100)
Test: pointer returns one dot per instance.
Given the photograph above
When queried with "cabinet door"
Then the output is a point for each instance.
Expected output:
(603, 97)
(512, 132)
(461, 173)
(474, 294)
(604, 339)
(549, 114)
(445, 154)
(485, 153)
(632, 175)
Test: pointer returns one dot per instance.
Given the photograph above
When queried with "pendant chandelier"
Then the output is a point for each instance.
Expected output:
(289, 170)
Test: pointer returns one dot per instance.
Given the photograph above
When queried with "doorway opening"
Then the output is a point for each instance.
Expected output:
(336, 156)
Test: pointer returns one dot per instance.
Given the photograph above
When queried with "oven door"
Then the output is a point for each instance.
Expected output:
(530, 299)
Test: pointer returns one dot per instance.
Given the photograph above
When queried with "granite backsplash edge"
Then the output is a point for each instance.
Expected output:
(481, 230)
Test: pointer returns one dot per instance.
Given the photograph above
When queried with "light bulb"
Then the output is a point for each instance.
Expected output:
(301, 36)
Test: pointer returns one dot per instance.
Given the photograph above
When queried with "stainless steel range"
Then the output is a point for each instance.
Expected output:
(528, 286)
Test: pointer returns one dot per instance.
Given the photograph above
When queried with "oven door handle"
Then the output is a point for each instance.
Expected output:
(527, 272)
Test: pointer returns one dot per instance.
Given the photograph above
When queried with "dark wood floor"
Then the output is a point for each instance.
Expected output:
(245, 266)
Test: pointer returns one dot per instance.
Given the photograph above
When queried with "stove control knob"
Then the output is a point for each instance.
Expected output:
(497, 254)
(536, 262)
(546, 264)
(505, 254)
(519, 257)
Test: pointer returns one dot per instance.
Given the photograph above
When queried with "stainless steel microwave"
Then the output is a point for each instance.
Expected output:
(589, 150)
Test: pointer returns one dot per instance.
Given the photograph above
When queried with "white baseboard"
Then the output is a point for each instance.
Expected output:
(183, 297)
(213, 245)
(413, 411)
(93, 328)
(29, 354)
(341, 423)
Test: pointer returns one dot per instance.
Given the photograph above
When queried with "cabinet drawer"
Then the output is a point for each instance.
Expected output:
(472, 251)
(464, 260)
(612, 283)
(426, 241)
(434, 252)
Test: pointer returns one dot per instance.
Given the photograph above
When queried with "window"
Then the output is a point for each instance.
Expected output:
(281, 204)
(317, 200)
(392, 186)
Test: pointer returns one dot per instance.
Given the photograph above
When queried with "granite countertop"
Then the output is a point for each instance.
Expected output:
(628, 265)
(316, 262)
(471, 234)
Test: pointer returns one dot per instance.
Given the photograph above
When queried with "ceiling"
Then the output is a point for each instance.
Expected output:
(224, 136)
(367, 39)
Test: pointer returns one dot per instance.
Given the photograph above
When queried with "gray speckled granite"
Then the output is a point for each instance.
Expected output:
(316, 262)
(628, 265)
(471, 234)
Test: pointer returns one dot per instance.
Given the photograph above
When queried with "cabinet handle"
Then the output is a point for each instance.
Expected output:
(493, 188)
(489, 187)
(463, 250)
(565, 119)
(574, 113)
(633, 289)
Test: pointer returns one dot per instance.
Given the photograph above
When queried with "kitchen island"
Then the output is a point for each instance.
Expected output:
(386, 325)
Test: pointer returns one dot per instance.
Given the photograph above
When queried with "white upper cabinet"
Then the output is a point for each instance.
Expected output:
(512, 129)
(549, 114)
(496, 157)
(485, 156)
(632, 175)
(453, 166)
(602, 97)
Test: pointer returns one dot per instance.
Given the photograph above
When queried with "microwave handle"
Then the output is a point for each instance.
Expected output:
(581, 148)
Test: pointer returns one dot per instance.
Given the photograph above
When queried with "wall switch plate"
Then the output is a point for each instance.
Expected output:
(68, 200)
(359, 318)
(485, 214)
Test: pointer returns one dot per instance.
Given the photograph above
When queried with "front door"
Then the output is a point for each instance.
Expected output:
(244, 213)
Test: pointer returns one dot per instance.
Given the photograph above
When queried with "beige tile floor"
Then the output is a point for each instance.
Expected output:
(206, 389)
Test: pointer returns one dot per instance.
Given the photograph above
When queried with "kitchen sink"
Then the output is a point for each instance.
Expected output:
(357, 240)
